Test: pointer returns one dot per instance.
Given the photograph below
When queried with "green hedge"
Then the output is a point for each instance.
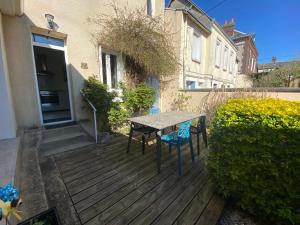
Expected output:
(255, 157)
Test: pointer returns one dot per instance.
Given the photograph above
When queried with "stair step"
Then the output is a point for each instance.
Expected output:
(61, 142)
(51, 133)
(66, 148)
(63, 137)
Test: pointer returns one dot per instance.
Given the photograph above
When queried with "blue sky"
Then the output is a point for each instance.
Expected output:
(276, 24)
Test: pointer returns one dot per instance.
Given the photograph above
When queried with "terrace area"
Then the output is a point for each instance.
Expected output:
(104, 185)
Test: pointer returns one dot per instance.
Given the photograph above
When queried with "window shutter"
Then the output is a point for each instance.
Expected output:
(196, 47)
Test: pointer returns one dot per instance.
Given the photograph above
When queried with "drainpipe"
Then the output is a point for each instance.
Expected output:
(184, 48)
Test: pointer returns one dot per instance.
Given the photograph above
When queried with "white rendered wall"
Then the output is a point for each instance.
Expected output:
(7, 115)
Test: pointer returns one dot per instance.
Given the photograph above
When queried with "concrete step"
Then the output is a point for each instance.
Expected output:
(66, 148)
(63, 137)
(51, 133)
(63, 140)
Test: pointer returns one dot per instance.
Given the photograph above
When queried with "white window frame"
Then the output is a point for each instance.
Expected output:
(152, 4)
(119, 64)
(225, 61)
(218, 49)
(231, 62)
(188, 80)
(196, 49)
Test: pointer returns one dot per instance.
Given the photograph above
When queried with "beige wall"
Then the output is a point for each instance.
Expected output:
(71, 17)
(194, 100)
(7, 114)
(220, 73)
(205, 71)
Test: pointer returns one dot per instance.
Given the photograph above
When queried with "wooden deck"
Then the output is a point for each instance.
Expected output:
(108, 186)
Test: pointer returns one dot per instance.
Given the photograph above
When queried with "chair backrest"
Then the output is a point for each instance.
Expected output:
(184, 130)
(201, 123)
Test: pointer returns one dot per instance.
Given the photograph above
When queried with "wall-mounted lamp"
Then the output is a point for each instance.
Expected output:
(50, 22)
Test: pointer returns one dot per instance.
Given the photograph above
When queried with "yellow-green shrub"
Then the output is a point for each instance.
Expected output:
(255, 157)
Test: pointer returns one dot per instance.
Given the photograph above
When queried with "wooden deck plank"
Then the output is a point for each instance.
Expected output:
(119, 161)
(159, 206)
(146, 200)
(126, 166)
(212, 212)
(193, 211)
(92, 194)
(108, 186)
(93, 170)
(133, 192)
(177, 206)
(133, 172)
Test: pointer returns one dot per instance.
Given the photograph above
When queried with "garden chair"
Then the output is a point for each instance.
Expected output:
(178, 138)
(141, 129)
(200, 129)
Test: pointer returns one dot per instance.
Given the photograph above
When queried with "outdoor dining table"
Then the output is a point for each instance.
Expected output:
(161, 121)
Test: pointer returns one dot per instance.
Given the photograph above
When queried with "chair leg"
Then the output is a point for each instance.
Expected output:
(204, 134)
(170, 148)
(198, 144)
(129, 139)
(179, 160)
(143, 143)
(158, 150)
(191, 149)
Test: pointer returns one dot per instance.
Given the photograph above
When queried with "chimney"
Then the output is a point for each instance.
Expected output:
(229, 27)
(274, 59)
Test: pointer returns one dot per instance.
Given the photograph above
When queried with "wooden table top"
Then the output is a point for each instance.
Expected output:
(164, 120)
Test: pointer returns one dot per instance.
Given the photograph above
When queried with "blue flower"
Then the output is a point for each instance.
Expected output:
(9, 193)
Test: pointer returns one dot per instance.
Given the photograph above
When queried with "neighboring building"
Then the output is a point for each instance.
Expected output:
(268, 67)
(44, 61)
(207, 54)
(247, 51)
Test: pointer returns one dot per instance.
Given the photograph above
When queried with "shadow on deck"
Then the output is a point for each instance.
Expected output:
(105, 185)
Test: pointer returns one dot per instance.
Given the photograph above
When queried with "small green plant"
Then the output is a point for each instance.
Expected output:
(98, 94)
(255, 157)
(138, 99)
(117, 116)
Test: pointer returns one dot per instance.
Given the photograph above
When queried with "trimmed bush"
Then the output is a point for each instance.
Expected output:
(138, 99)
(255, 157)
(98, 94)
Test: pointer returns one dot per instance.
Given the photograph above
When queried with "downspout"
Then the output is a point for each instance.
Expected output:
(184, 48)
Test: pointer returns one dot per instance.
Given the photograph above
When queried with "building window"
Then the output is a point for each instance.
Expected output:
(196, 47)
(109, 70)
(218, 53)
(215, 85)
(190, 84)
(150, 7)
(47, 40)
(231, 62)
(225, 63)
(249, 61)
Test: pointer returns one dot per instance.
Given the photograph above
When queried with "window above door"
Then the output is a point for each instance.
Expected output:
(38, 38)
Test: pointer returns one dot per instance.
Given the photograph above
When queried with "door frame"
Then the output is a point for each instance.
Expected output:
(64, 49)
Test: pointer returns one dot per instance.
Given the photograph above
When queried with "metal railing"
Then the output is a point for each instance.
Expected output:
(94, 114)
